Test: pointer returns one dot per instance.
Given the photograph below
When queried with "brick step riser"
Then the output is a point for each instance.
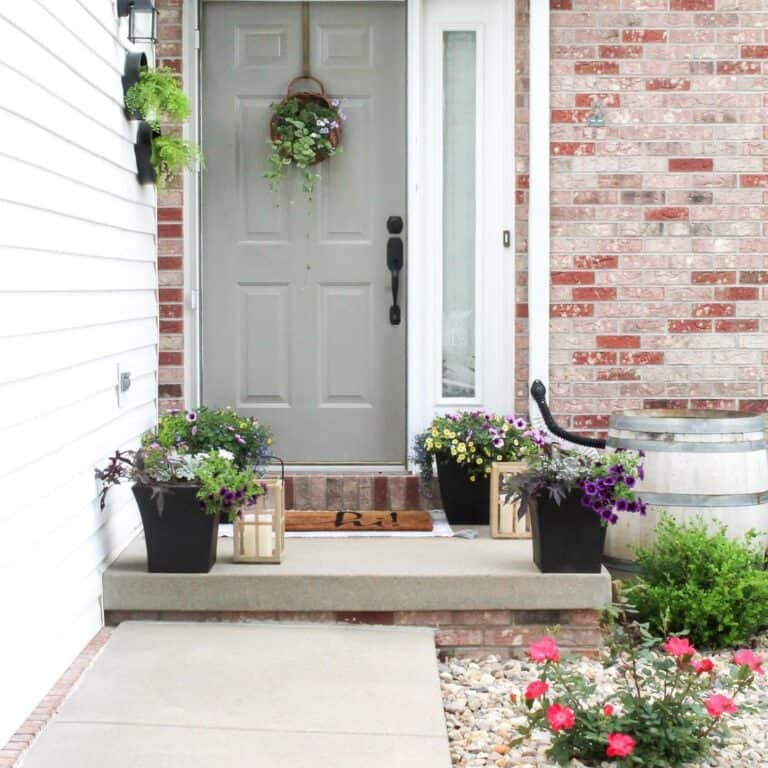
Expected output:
(360, 492)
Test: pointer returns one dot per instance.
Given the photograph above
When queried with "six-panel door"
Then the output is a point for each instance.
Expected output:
(297, 295)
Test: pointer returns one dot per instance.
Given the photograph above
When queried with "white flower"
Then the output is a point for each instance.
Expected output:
(225, 454)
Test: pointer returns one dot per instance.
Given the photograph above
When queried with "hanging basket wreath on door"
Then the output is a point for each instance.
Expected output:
(304, 130)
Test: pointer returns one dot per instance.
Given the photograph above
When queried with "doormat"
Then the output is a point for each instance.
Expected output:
(440, 529)
(358, 521)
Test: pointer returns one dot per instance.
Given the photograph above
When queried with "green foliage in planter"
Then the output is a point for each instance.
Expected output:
(170, 155)
(699, 581)
(211, 429)
(158, 96)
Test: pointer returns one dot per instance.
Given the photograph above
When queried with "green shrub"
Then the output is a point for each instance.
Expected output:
(696, 580)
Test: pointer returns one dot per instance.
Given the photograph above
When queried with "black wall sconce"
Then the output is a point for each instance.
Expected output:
(142, 20)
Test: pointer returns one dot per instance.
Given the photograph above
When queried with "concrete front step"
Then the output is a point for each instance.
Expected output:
(199, 695)
(483, 595)
(353, 491)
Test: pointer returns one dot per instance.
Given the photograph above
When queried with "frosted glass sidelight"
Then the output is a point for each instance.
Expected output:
(459, 140)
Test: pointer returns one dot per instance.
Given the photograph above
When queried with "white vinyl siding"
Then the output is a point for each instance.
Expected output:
(78, 298)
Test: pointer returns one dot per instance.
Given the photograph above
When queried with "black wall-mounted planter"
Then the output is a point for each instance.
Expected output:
(134, 63)
(143, 149)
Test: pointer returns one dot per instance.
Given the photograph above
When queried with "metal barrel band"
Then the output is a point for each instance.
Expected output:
(658, 446)
(688, 426)
(705, 500)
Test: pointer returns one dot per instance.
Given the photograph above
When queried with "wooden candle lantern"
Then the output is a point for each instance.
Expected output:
(505, 505)
(259, 528)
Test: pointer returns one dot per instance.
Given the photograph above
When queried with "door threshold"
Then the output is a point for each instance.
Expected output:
(347, 469)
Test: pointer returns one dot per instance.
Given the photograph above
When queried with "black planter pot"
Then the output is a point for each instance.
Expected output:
(464, 502)
(180, 537)
(143, 151)
(567, 538)
(134, 63)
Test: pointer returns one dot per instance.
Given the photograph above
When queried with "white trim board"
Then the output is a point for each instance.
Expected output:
(496, 283)
(538, 200)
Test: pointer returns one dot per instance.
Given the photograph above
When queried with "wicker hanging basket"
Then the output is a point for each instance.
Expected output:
(304, 97)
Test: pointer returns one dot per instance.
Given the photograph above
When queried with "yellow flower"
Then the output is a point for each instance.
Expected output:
(435, 433)
(446, 433)
(428, 443)
(269, 441)
(460, 458)
(438, 444)
(505, 427)
(453, 451)
(515, 442)
(472, 449)
(472, 478)
(462, 448)
(455, 441)
(499, 457)
(478, 460)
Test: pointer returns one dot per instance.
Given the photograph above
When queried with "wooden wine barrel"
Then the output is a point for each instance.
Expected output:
(708, 463)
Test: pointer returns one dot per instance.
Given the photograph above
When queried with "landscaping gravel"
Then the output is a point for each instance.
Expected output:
(481, 720)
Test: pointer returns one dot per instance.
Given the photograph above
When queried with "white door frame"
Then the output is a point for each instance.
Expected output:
(424, 303)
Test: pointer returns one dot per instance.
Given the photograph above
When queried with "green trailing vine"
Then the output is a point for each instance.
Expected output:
(305, 130)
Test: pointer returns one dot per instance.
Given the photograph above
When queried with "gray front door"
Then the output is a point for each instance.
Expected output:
(296, 298)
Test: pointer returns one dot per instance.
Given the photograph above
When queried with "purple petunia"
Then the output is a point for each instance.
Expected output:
(621, 505)
(519, 423)
(641, 471)
(629, 481)
(191, 416)
(590, 488)
(498, 442)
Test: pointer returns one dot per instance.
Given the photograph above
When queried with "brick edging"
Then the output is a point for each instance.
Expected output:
(31, 728)
(504, 633)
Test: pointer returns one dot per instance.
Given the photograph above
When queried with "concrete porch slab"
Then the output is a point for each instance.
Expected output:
(181, 694)
(365, 574)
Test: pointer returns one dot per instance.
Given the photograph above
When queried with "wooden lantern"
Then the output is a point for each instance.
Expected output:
(259, 528)
(505, 520)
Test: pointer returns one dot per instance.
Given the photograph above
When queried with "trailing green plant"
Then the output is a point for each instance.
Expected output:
(210, 429)
(158, 97)
(667, 707)
(697, 580)
(306, 130)
(171, 154)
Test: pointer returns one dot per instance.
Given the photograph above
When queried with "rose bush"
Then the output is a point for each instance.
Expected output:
(667, 709)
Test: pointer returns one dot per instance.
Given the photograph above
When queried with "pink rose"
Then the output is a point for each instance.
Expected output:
(718, 704)
(620, 745)
(746, 658)
(536, 689)
(703, 665)
(679, 647)
(545, 650)
(560, 717)
(608, 710)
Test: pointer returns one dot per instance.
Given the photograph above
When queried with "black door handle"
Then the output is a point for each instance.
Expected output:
(395, 264)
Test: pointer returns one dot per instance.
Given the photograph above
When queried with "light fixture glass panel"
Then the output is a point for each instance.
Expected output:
(459, 144)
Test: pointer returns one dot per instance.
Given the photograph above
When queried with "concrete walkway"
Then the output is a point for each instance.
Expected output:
(191, 695)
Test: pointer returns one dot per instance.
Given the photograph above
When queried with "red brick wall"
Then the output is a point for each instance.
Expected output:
(170, 235)
(658, 218)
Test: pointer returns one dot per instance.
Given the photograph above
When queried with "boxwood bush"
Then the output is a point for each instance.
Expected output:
(696, 580)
